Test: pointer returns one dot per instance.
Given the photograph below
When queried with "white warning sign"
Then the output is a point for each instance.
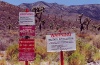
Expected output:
(61, 42)
(26, 18)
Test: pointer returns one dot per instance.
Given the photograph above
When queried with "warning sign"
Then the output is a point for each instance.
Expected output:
(27, 30)
(26, 18)
(26, 49)
(61, 42)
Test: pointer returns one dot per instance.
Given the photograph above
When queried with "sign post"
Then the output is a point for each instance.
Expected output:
(60, 42)
(26, 62)
(26, 29)
(61, 56)
(26, 49)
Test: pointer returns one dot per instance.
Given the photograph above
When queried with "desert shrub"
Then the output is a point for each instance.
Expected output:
(52, 56)
(41, 51)
(89, 51)
(2, 62)
(96, 56)
(12, 53)
(80, 46)
(37, 59)
(76, 59)
(96, 42)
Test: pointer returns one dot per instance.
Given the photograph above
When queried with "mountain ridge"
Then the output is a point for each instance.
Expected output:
(86, 9)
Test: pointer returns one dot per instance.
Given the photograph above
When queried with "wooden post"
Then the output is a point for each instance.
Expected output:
(26, 62)
(61, 57)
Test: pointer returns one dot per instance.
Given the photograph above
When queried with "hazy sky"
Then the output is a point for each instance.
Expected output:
(64, 2)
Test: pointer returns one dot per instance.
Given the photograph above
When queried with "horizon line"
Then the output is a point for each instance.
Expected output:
(51, 3)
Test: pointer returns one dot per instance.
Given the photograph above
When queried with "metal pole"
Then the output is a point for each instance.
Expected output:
(26, 62)
(61, 57)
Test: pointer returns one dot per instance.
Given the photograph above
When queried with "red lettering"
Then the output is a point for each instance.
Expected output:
(60, 34)
(52, 35)
(26, 14)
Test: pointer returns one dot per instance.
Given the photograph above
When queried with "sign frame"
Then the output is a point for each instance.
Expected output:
(26, 49)
(61, 42)
(27, 30)
(26, 18)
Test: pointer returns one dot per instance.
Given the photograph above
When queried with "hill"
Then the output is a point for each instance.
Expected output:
(89, 10)
(55, 16)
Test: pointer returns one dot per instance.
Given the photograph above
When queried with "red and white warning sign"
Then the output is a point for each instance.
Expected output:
(27, 30)
(61, 42)
(26, 49)
(26, 18)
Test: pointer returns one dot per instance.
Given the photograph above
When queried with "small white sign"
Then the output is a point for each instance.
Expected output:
(61, 42)
(26, 18)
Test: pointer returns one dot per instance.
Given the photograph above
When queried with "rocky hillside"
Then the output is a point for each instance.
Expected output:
(8, 23)
(8, 15)
(91, 10)
(69, 22)
(9, 12)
